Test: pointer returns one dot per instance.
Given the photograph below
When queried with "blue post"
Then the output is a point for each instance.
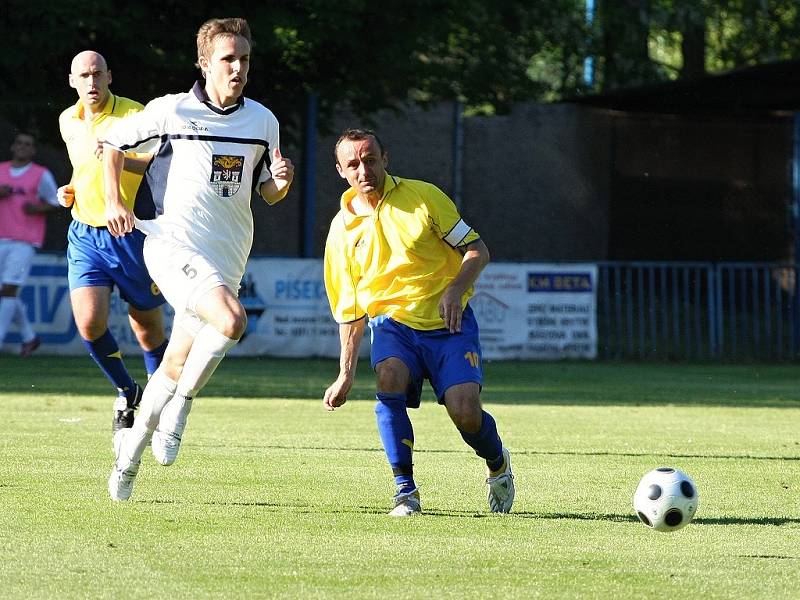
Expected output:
(588, 62)
(796, 228)
(309, 176)
(458, 152)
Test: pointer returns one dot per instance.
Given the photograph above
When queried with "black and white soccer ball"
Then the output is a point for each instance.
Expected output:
(666, 499)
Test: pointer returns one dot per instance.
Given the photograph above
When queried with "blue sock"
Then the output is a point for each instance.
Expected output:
(397, 436)
(106, 354)
(486, 442)
(153, 358)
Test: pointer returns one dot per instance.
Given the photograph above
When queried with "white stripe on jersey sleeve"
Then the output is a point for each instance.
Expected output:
(457, 233)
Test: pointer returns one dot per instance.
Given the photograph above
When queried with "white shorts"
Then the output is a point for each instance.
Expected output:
(15, 261)
(181, 273)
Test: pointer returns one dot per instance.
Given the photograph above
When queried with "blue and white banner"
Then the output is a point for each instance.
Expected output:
(537, 311)
(525, 311)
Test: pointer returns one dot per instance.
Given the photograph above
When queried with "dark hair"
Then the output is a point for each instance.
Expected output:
(19, 132)
(356, 135)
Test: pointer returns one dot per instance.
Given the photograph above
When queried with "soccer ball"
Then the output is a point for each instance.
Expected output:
(666, 499)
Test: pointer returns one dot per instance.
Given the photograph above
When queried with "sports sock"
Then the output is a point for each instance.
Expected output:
(486, 442)
(8, 304)
(26, 332)
(158, 392)
(397, 436)
(153, 358)
(106, 354)
(208, 350)
(175, 414)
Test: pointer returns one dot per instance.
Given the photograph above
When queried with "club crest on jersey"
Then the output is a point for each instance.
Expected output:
(226, 174)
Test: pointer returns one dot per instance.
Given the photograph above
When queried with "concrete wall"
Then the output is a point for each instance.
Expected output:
(701, 187)
(534, 183)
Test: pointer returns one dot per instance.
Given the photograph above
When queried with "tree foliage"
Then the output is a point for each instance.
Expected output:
(362, 56)
(690, 38)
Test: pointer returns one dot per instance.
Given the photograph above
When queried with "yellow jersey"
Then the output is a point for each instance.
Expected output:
(80, 136)
(398, 260)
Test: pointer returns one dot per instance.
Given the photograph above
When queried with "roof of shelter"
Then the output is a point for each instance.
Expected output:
(762, 88)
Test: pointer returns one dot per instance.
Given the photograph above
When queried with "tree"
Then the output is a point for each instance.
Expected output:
(654, 40)
(364, 56)
(354, 54)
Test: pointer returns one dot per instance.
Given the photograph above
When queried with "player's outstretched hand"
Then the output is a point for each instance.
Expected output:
(66, 195)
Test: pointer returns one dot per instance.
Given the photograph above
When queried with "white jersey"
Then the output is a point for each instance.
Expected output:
(207, 163)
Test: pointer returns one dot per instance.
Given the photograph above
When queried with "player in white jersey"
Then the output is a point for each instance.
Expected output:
(213, 148)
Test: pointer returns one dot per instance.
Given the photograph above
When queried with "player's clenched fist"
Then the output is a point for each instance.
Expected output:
(336, 394)
(66, 195)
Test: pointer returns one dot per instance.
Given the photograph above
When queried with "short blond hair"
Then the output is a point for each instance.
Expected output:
(213, 28)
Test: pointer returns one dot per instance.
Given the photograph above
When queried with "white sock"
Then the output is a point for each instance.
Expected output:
(157, 393)
(208, 350)
(21, 319)
(175, 414)
(8, 304)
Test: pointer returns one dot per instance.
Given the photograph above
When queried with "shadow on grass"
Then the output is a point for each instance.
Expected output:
(605, 517)
(513, 382)
(266, 447)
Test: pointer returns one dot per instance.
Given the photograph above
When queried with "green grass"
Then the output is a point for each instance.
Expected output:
(273, 497)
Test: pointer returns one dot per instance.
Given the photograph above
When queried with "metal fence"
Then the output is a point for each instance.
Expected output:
(698, 310)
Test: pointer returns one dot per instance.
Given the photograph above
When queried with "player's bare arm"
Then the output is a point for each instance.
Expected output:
(137, 163)
(350, 336)
(119, 219)
(134, 163)
(475, 258)
(282, 169)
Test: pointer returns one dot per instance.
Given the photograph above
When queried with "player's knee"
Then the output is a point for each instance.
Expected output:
(232, 324)
(91, 329)
(150, 338)
(148, 326)
(392, 375)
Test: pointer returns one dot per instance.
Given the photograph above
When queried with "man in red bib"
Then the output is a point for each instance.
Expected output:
(27, 194)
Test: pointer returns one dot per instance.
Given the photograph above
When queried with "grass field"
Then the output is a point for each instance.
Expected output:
(273, 497)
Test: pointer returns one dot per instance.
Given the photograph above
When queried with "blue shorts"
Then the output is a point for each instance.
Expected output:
(97, 258)
(443, 358)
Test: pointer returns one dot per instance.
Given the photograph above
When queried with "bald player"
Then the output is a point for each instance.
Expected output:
(97, 260)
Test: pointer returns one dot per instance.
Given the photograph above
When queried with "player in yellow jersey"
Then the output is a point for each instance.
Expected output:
(97, 261)
(399, 256)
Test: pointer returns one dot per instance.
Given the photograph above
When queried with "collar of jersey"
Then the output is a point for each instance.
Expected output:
(389, 184)
(108, 107)
(199, 90)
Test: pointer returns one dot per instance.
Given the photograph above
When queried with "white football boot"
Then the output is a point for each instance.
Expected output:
(120, 482)
(406, 505)
(501, 488)
(165, 446)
